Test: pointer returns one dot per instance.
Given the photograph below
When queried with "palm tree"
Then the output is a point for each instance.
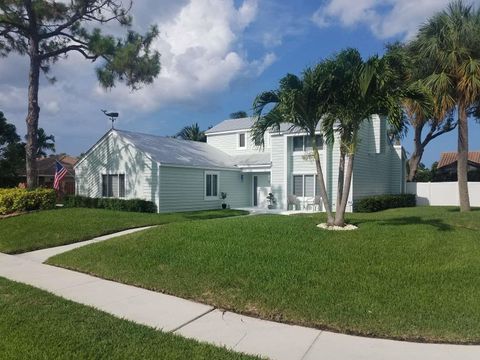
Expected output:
(192, 133)
(44, 143)
(422, 113)
(358, 90)
(450, 42)
(300, 102)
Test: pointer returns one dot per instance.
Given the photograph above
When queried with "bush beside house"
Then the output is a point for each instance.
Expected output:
(134, 205)
(20, 200)
(384, 202)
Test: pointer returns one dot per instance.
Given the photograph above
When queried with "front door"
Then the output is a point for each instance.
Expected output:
(255, 190)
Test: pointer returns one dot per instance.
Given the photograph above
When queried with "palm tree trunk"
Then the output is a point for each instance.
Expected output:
(341, 208)
(416, 157)
(462, 162)
(33, 114)
(321, 183)
(341, 177)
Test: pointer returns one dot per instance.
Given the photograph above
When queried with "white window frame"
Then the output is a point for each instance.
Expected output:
(211, 197)
(303, 185)
(238, 141)
(118, 175)
(304, 147)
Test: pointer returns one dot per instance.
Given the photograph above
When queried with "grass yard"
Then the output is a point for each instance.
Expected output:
(37, 325)
(410, 273)
(45, 229)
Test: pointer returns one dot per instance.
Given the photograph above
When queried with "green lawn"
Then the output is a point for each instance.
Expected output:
(37, 325)
(64, 226)
(406, 273)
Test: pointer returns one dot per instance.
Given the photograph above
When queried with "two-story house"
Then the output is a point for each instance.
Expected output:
(181, 175)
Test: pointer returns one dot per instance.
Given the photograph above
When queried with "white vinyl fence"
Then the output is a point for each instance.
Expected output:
(442, 193)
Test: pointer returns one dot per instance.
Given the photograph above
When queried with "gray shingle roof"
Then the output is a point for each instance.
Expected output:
(247, 123)
(252, 159)
(172, 151)
(231, 125)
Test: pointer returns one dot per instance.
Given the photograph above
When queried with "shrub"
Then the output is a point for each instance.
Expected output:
(383, 202)
(18, 200)
(134, 205)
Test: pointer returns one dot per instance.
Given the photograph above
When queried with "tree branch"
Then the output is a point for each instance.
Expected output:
(79, 48)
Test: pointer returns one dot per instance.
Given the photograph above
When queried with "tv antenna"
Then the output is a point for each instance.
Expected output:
(111, 115)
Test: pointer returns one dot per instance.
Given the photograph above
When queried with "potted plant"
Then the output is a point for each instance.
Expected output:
(271, 201)
(223, 196)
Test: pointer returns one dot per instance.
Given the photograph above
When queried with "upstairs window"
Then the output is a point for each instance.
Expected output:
(308, 142)
(304, 143)
(113, 185)
(211, 185)
(241, 141)
(298, 143)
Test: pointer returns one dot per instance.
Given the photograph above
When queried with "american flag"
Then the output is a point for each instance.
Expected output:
(60, 173)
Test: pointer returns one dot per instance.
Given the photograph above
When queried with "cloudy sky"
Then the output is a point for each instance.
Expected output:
(216, 56)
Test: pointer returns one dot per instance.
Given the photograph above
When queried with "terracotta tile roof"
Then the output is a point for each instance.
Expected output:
(449, 158)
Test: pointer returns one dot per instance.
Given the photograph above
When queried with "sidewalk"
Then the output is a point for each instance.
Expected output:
(205, 323)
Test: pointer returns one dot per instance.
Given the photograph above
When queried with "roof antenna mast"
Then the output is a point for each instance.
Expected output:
(112, 116)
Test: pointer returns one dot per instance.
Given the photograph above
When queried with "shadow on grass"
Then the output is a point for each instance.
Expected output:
(457, 210)
(408, 220)
(416, 220)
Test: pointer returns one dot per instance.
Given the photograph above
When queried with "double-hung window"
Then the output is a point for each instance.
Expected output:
(211, 185)
(305, 185)
(113, 185)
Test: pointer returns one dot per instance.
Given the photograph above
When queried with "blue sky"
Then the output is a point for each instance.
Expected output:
(216, 56)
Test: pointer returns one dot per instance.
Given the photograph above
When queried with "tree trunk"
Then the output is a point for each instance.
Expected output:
(33, 114)
(462, 162)
(321, 183)
(416, 157)
(340, 211)
(341, 177)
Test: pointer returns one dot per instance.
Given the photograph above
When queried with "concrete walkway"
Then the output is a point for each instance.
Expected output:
(205, 323)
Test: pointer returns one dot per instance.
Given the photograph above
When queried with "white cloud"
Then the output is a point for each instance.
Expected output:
(385, 18)
(201, 48)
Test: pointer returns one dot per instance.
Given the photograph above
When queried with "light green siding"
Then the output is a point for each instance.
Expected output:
(228, 143)
(183, 189)
(378, 167)
(278, 171)
(112, 155)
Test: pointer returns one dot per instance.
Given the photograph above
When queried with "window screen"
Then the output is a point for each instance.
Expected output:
(298, 185)
(298, 143)
(121, 184)
(241, 140)
(215, 185)
(309, 185)
(209, 185)
(113, 185)
(104, 186)
(308, 142)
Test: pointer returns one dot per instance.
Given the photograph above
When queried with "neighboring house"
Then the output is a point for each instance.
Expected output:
(181, 175)
(46, 172)
(448, 162)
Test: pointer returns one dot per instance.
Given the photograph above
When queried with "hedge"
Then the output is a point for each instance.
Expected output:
(383, 202)
(134, 205)
(20, 200)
